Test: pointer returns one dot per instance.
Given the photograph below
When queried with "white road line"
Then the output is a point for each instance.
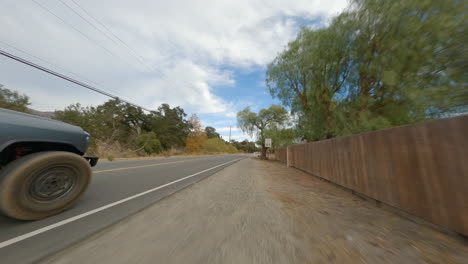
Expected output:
(74, 218)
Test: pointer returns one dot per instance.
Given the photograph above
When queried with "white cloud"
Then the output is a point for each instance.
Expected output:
(186, 84)
(226, 129)
(189, 44)
(240, 137)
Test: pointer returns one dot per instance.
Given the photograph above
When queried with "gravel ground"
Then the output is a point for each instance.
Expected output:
(262, 212)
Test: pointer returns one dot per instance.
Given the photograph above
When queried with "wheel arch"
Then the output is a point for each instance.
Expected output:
(19, 148)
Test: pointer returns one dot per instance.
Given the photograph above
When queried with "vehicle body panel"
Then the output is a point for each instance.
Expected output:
(20, 127)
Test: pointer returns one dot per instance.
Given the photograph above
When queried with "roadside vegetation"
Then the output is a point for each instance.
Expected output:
(378, 64)
(267, 122)
(119, 130)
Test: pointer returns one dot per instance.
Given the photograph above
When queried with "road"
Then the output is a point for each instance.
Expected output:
(263, 212)
(119, 189)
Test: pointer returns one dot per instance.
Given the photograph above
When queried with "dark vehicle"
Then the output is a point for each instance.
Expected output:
(42, 167)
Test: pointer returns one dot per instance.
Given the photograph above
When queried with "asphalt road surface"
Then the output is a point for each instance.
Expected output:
(119, 189)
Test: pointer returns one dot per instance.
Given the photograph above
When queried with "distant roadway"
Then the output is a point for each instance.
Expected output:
(119, 189)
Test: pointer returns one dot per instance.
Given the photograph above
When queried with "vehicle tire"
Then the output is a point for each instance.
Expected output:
(42, 184)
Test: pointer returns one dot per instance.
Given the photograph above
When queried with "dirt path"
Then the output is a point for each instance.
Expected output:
(262, 212)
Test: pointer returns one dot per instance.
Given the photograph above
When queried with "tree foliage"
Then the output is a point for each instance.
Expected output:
(310, 73)
(378, 64)
(115, 121)
(170, 125)
(211, 132)
(256, 124)
(245, 146)
(281, 137)
(13, 100)
(148, 142)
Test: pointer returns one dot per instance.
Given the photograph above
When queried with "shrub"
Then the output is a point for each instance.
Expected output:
(149, 143)
(217, 145)
(195, 143)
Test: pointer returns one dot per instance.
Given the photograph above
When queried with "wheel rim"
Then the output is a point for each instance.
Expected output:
(52, 183)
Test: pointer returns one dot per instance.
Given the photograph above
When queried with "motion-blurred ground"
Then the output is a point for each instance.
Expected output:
(262, 212)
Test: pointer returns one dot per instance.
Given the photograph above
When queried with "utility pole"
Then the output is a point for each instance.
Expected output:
(229, 134)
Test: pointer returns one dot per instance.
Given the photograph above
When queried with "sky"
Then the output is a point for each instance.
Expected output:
(207, 56)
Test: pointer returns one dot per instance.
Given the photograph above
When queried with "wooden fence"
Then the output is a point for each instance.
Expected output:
(421, 169)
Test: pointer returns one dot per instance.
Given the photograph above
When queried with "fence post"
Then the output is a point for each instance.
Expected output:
(287, 156)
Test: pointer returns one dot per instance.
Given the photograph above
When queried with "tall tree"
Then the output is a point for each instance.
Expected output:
(170, 126)
(404, 61)
(252, 123)
(310, 74)
(78, 115)
(379, 64)
(122, 117)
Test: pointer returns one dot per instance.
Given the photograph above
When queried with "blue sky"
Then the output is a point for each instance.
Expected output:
(207, 56)
(249, 91)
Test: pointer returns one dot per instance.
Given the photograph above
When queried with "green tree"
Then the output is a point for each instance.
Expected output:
(128, 127)
(124, 120)
(252, 123)
(77, 115)
(404, 61)
(211, 132)
(379, 64)
(109, 122)
(245, 146)
(170, 126)
(281, 137)
(310, 74)
(13, 100)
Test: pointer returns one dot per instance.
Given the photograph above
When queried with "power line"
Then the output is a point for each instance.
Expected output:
(16, 58)
(123, 42)
(77, 30)
(99, 30)
(161, 73)
(112, 33)
(55, 65)
(86, 20)
(43, 60)
(107, 29)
